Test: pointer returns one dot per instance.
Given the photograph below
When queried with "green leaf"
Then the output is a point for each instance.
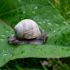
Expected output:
(48, 18)
(5, 49)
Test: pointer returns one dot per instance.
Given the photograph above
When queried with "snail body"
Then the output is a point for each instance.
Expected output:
(27, 32)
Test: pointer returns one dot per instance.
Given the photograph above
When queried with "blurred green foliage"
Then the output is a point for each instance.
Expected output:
(64, 8)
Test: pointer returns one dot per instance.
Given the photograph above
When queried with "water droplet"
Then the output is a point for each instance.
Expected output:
(21, 18)
(19, 0)
(40, 22)
(56, 24)
(33, 12)
(3, 50)
(1, 40)
(44, 22)
(65, 23)
(5, 54)
(55, 16)
(68, 21)
(68, 13)
(7, 31)
(47, 20)
(49, 23)
(24, 12)
(54, 31)
(11, 55)
(36, 7)
(2, 35)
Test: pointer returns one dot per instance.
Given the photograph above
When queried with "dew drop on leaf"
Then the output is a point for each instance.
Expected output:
(7, 31)
(36, 7)
(2, 35)
(68, 13)
(44, 22)
(1, 40)
(3, 50)
(5, 54)
(49, 24)
(19, 0)
(55, 16)
(40, 22)
(47, 20)
(24, 12)
(65, 23)
(54, 31)
(56, 24)
(21, 18)
(33, 12)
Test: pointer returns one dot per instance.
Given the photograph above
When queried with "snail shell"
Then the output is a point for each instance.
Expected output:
(27, 29)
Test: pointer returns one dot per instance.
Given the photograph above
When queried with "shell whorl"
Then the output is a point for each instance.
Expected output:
(27, 29)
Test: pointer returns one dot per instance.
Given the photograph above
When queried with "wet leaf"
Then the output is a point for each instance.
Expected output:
(48, 18)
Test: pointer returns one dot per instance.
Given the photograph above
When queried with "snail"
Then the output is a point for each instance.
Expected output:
(27, 31)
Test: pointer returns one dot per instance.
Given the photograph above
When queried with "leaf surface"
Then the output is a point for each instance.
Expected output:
(47, 17)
